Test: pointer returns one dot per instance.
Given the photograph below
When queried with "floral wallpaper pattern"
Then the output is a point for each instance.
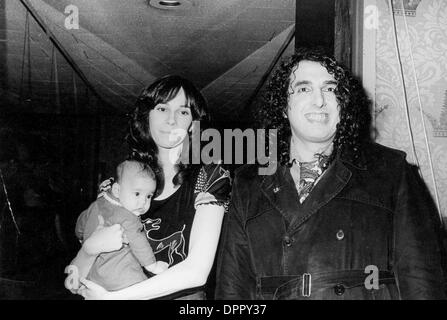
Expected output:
(428, 40)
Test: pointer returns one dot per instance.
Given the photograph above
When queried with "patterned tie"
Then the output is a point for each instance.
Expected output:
(309, 173)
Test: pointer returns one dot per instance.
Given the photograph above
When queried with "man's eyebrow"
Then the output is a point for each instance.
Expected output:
(306, 82)
(300, 83)
(331, 82)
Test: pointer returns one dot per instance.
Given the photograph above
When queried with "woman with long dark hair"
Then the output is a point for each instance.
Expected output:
(184, 221)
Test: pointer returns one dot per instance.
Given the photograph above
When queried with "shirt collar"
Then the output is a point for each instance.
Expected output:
(112, 199)
(293, 154)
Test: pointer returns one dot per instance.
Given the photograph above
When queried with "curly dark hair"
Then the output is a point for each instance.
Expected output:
(352, 131)
(139, 139)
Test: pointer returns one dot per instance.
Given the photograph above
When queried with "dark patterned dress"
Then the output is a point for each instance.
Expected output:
(168, 222)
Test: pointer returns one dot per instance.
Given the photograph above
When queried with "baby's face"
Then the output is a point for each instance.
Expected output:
(135, 193)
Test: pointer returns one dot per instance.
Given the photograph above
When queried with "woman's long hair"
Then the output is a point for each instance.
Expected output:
(142, 145)
(352, 131)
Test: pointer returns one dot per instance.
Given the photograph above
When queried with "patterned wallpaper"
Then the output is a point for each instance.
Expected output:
(427, 26)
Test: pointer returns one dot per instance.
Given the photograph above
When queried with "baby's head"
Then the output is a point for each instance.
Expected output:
(134, 186)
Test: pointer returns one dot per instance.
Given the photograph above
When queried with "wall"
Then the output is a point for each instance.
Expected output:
(428, 42)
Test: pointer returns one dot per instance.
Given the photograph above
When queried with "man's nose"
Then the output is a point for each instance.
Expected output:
(319, 99)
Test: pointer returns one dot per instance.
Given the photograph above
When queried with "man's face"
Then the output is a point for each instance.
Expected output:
(312, 106)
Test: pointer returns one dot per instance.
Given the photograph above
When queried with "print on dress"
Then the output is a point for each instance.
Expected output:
(175, 243)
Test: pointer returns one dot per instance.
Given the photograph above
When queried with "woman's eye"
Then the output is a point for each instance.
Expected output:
(137, 194)
(184, 112)
(162, 109)
(149, 196)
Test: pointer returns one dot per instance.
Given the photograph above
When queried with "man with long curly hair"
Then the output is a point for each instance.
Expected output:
(342, 217)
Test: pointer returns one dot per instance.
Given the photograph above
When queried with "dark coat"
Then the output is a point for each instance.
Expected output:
(377, 214)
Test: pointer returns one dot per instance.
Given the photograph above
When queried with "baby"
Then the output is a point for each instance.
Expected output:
(129, 197)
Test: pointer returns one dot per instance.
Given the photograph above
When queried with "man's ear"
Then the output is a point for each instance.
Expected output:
(116, 190)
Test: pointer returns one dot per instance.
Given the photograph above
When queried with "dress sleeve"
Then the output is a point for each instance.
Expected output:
(212, 186)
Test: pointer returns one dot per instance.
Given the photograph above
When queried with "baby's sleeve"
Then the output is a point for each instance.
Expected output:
(81, 225)
(138, 243)
(213, 186)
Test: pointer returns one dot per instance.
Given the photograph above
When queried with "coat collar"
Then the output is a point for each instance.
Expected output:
(360, 163)
(332, 182)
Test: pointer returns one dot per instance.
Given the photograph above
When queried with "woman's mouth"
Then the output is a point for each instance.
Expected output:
(177, 135)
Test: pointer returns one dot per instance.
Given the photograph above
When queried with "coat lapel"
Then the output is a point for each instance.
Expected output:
(331, 183)
(276, 192)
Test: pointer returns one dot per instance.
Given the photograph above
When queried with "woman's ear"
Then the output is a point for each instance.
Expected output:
(116, 190)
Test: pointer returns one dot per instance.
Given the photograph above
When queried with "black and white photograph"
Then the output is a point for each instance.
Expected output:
(217, 150)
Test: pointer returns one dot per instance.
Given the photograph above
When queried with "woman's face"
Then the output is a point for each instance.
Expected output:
(169, 122)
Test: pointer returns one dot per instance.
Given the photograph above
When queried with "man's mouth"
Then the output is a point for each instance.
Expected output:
(317, 117)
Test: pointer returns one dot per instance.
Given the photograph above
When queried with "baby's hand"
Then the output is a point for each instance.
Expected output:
(161, 266)
(157, 267)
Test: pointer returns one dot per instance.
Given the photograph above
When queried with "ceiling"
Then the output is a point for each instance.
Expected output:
(224, 47)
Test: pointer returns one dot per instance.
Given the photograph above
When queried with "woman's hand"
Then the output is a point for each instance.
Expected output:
(104, 239)
(92, 291)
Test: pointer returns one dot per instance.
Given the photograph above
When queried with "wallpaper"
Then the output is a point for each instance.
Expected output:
(427, 38)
